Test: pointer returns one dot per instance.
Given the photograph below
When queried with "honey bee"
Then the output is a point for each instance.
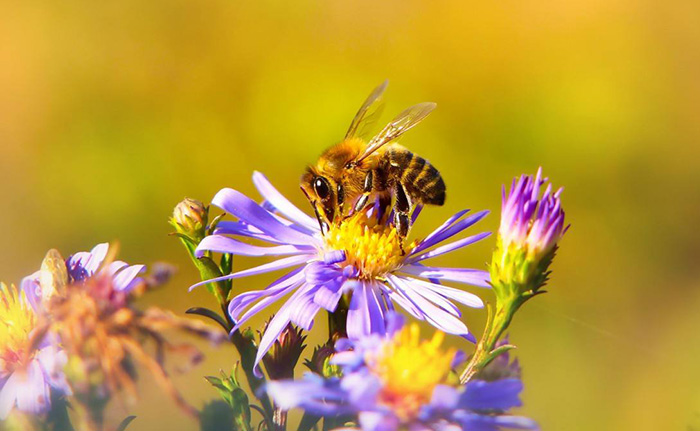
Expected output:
(350, 172)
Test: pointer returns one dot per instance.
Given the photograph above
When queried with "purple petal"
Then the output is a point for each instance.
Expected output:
(229, 227)
(305, 311)
(85, 264)
(444, 397)
(451, 231)
(378, 421)
(365, 315)
(32, 289)
(271, 294)
(497, 395)
(268, 267)
(444, 226)
(223, 244)
(396, 295)
(27, 389)
(278, 324)
(327, 296)
(282, 204)
(461, 296)
(449, 247)
(124, 280)
(474, 277)
(433, 314)
(478, 422)
(241, 206)
(394, 323)
(431, 296)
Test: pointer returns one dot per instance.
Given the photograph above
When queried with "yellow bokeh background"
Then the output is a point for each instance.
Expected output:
(111, 112)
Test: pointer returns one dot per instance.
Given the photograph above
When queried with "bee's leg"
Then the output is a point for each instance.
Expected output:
(402, 207)
(366, 191)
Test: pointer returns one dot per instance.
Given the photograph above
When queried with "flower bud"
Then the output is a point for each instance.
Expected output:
(284, 354)
(190, 217)
(320, 362)
(531, 227)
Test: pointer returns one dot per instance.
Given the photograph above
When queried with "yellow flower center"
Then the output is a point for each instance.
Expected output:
(17, 320)
(373, 248)
(410, 369)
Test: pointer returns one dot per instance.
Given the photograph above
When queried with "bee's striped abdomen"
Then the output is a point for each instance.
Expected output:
(421, 179)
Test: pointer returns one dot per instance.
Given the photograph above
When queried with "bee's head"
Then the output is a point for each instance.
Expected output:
(326, 195)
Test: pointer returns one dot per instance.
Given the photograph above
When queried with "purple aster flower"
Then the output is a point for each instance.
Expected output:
(397, 382)
(361, 257)
(531, 227)
(27, 374)
(76, 269)
(530, 221)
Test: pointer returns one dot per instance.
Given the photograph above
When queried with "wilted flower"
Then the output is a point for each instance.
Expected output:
(362, 257)
(397, 382)
(531, 227)
(89, 311)
(30, 364)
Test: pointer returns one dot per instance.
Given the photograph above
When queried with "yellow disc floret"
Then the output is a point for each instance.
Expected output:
(410, 369)
(373, 248)
(17, 320)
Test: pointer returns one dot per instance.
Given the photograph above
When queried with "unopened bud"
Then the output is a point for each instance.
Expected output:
(190, 217)
(284, 354)
(531, 227)
(320, 362)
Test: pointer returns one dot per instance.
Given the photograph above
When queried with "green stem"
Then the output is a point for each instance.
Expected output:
(245, 346)
(337, 321)
(496, 325)
(247, 352)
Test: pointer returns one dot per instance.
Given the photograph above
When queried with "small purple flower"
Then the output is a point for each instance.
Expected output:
(77, 269)
(361, 257)
(531, 227)
(387, 388)
(530, 221)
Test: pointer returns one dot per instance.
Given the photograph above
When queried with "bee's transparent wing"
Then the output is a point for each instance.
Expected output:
(402, 123)
(53, 276)
(368, 112)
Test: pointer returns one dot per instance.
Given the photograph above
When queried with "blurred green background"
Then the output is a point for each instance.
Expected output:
(111, 112)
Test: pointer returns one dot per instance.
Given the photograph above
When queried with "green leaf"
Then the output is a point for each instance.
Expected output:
(201, 311)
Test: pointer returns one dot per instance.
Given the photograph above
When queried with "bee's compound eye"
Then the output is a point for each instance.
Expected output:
(322, 188)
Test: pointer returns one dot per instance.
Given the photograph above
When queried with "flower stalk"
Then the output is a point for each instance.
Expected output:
(190, 220)
(531, 227)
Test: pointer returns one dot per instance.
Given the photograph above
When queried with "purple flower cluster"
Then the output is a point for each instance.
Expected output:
(325, 268)
(364, 391)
